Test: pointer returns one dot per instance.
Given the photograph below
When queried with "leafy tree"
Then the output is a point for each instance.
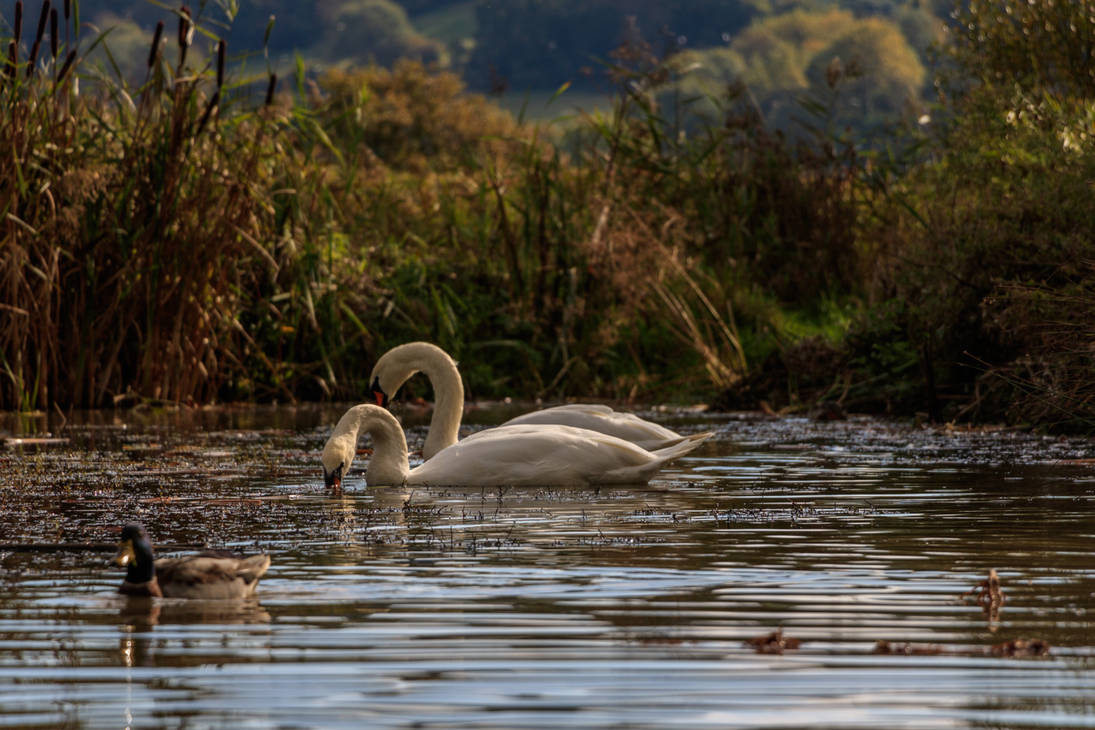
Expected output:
(772, 63)
(544, 43)
(920, 27)
(787, 55)
(887, 71)
(986, 243)
(128, 45)
(700, 85)
(809, 31)
(353, 30)
(410, 119)
(377, 30)
(1049, 45)
(414, 7)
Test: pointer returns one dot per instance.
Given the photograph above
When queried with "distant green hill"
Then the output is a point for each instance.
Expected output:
(527, 49)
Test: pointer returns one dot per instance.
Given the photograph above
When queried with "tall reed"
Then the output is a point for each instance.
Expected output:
(135, 224)
(170, 239)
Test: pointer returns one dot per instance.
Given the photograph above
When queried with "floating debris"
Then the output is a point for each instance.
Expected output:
(1015, 649)
(907, 649)
(1019, 648)
(989, 597)
(773, 643)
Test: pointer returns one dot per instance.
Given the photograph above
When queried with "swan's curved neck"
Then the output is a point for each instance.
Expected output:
(397, 366)
(388, 465)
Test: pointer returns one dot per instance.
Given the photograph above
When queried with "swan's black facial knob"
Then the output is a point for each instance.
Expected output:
(333, 479)
(379, 394)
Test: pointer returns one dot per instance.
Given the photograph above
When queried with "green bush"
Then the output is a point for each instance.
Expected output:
(988, 241)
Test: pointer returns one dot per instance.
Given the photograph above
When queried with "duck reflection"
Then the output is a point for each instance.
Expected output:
(140, 616)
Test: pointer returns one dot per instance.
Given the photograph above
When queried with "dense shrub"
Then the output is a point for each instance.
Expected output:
(987, 241)
(164, 241)
(133, 235)
(413, 120)
(796, 53)
(1037, 45)
(203, 252)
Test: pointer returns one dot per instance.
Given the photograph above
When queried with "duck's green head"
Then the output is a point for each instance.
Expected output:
(135, 554)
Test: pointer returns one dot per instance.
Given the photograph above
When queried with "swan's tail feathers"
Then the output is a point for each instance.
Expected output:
(252, 568)
(682, 447)
(644, 473)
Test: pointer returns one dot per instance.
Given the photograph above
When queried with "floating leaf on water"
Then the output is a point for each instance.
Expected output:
(773, 643)
(1018, 648)
(907, 649)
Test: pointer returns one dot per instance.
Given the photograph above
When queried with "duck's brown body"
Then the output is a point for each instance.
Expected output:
(207, 575)
(198, 576)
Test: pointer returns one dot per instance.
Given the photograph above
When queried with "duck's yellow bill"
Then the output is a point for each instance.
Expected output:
(125, 554)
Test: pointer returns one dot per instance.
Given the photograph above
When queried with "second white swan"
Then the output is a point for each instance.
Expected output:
(399, 364)
(519, 455)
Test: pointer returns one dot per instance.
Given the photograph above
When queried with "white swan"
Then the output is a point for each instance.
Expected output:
(519, 455)
(399, 364)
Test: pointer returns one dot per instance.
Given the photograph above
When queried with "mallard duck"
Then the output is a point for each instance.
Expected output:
(399, 364)
(516, 455)
(208, 574)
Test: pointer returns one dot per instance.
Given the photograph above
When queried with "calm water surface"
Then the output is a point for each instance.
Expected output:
(546, 608)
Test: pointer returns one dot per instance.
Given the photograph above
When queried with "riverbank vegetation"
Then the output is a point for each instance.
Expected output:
(200, 234)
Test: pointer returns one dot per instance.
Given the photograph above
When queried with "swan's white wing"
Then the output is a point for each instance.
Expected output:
(539, 455)
(595, 417)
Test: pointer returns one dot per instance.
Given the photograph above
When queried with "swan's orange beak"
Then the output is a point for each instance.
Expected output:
(333, 480)
(379, 394)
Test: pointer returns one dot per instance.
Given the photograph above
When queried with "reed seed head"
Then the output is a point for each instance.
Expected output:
(270, 87)
(68, 9)
(42, 23)
(156, 37)
(33, 60)
(67, 66)
(18, 22)
(221, 50)
(186, 28)
(269, 29)
(186, 33)
(53, 32)
(213, 101)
